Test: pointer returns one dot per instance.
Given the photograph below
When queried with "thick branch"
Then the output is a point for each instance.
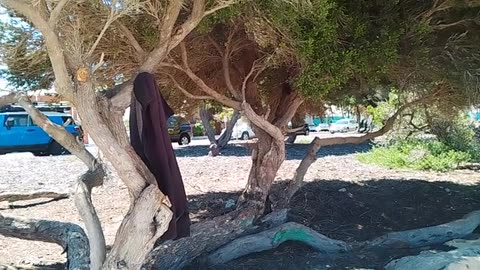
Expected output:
(317, 143)
(131, 38)
(261, 123)
(272, 238)
(68, 235)
(185, 92)
(57, 132)
(121, 98)
(55, 14)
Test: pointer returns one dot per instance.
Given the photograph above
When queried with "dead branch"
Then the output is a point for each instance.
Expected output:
(112, 16)
(272, 238)
(15, 197)
(68, 235)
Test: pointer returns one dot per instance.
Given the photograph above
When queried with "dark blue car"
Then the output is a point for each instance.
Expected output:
(19, 134)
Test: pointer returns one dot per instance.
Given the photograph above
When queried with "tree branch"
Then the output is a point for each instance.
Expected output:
(68, 235)
(261, 123)
(131, 38)
(110, 19)
(7, 99)
(121, 98)
(55, 14)
(14, 197)
(225, 4)
(63, 82)
(185, 92)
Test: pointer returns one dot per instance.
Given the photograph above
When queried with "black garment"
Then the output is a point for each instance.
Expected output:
(149, 137)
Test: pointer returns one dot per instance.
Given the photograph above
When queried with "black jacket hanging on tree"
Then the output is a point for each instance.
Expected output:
(149, 138)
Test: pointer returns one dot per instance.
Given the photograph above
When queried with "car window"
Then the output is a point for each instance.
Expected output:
(342, 122)
(18, 120)
(352, 121)
(172, 121)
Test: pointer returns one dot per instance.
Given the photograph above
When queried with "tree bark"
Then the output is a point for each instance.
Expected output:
(268, 155)
(272, 238)
(68, 235)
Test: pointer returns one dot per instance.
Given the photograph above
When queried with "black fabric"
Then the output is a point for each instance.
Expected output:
(149, 138)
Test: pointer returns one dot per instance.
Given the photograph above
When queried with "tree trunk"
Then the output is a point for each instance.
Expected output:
(267, 156)
(216, 146)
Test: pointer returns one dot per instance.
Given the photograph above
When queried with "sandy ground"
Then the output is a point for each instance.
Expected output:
(202, 175)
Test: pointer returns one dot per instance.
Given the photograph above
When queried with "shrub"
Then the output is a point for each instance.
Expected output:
(417, 154)
(198, 129)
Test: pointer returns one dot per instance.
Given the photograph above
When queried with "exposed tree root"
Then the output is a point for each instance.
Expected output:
(291, 231)
(272, 238)
(14, 197)
(208, 236)
(68, 235)
(429, 235)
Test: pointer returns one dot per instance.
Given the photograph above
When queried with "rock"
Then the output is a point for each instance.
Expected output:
(466, 256)
(447, 190)
(342, 190)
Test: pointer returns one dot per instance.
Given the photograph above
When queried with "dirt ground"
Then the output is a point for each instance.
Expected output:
(342, 199)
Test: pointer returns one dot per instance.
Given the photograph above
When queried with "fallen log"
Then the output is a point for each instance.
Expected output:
(68, 235)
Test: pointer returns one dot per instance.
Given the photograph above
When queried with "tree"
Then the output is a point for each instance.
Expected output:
(269, 57)
(73, 44)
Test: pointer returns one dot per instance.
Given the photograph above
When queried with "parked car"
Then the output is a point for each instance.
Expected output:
(322, 127)
(242, 131)
(180, 130)
(304, 131)
(18, 133)
(343, 125)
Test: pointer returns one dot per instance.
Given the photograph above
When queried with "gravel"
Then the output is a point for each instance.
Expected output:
(202, 174)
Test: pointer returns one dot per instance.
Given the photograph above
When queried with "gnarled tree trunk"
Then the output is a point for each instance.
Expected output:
(268, 155)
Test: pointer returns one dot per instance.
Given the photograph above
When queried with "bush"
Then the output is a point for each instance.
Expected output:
(417, 154)
(198, 129)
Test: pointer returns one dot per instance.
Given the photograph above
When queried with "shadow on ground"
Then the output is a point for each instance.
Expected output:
(294, 151)
(352, 212)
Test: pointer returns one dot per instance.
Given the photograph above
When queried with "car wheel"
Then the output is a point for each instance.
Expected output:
(57, 149)
(184, 139)
(245, 136)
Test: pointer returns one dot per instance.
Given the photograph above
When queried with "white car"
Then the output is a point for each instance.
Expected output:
(322, 127)
(343, 125)
(242, 131)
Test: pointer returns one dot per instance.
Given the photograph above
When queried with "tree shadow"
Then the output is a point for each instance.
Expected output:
(294, 151)
(353, 212)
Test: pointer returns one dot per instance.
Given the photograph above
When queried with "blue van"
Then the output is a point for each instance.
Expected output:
(18, 133)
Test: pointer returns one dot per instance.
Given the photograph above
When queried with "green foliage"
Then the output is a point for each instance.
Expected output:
(417, 154)
(23, 52)
(384, 109)
(337, 41)
(198, 129)
(457, 134)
